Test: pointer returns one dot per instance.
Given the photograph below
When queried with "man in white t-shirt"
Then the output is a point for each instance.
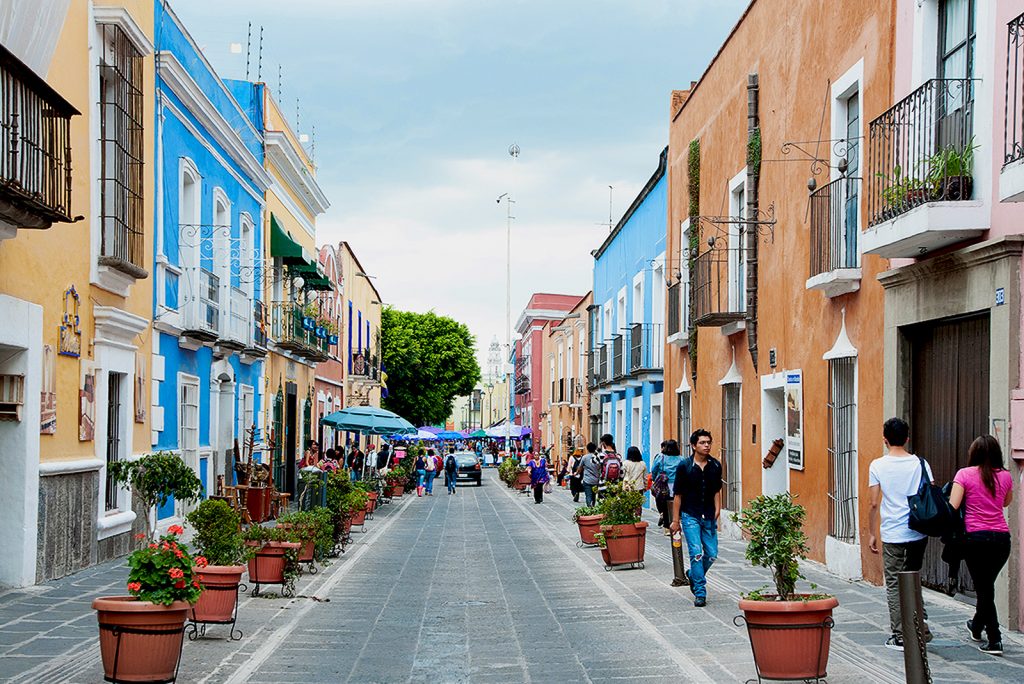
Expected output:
(891, 479)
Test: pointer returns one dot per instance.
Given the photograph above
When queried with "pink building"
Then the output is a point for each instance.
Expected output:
(540, 313)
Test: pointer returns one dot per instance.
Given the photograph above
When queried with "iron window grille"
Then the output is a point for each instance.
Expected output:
(121, 154)
(647, 347)
(731, 450)
(1013, 134)
(113, 435)
(684, 419)
(842, 450)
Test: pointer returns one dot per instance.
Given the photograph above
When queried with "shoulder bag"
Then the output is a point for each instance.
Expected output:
(930, 512)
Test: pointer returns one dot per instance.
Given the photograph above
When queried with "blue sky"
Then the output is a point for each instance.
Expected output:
(415, 103)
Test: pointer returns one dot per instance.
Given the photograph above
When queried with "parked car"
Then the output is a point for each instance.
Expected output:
(469, 467)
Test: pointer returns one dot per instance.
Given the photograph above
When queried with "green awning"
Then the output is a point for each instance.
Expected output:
(282, 245)
(312, 276)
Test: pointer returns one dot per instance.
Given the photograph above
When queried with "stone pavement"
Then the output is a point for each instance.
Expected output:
(485, 586)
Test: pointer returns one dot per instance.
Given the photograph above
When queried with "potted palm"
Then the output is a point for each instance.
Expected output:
(623, 536)
(218, 538)
(789, 632)
(588, 519)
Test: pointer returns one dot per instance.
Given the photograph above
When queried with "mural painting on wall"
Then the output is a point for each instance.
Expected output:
(70, 333)
(140, 389)
(795, 420)
(87, 402)
(48, 394)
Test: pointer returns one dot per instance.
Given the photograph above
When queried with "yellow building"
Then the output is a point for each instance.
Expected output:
(76, 215)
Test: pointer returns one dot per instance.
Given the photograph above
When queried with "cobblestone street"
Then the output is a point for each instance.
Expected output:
(485, 586)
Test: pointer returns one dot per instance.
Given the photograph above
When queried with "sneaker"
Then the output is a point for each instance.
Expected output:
(676, 582)
(700, 603)
(689, 583)
(975, 633)
(894, 642)
(992, 648)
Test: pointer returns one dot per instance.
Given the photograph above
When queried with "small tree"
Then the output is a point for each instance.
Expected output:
(777, 540)
(155, 478)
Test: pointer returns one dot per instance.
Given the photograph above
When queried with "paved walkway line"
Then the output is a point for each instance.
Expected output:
(278, 636)
(689, 668)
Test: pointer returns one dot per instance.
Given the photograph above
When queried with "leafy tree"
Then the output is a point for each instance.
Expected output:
(430, 360)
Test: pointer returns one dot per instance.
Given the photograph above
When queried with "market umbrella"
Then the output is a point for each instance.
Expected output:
(424, 436)
(369, 420)
(431, 430)
(514, 431)
(478, 434)
(449, 434)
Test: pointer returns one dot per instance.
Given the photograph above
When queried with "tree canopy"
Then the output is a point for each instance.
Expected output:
(429, 360)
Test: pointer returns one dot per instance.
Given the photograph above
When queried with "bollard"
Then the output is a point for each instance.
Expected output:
(678, 562)
(915, 653)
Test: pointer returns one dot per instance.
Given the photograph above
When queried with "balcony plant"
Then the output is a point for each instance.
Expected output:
(218, 538)
(154, 479)
(901, 191)
(273, 558)
(623, 536)
(774, 526)
(950, 172)
(588, 519)
(140, 634)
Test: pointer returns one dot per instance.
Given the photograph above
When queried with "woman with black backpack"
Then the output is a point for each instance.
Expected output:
(451, 472)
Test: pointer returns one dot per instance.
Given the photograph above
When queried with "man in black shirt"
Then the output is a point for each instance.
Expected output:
(697, 505)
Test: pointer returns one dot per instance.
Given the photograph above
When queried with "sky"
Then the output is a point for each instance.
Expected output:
(415, 104)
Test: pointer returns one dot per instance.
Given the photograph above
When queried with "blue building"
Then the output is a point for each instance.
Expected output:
(627, 320)
(207, 368)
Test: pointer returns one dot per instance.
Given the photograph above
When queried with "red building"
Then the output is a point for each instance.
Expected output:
(543, 311)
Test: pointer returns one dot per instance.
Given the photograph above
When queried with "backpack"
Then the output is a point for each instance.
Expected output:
(930, 512)
(612, 470)
(449, 463)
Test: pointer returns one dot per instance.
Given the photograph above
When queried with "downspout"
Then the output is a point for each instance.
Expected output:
(751, 228)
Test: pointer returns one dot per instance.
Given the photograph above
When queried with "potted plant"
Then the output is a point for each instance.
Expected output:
(141, 634)
(588, 518)
(355, 508)
(395, 482)
(218, 539)
(154, 479)
(623, 536)
(273, 558)
(789, 632)
(370, 489)
(312, 530)
(950, 172)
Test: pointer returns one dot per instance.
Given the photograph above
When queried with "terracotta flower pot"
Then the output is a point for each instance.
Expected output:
(357, 517)
(522, 480)
(800, 651)
(371, 505)
(394, 491)
(267, 566)
(624, 544)
(589, 526)
(220, 593)
(140, 641)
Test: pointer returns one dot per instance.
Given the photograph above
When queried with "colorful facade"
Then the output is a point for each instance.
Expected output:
(566, 390)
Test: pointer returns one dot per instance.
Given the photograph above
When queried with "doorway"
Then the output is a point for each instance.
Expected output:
(949, 407)
(290, 427)
(774, 480)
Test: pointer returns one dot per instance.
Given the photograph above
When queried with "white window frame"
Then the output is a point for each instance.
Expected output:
(222, 236)
(843, 88)
(246, 413)
(737, 261)
(684, 277)
(188, 448)
(638, 299)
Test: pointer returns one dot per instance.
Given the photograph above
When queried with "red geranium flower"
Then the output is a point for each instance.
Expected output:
(201, 561)
(195, 583)
(153, 546)
(177, 552)
(140, 535)
(134, 586)
(176, 573)
(180, 584)
(176, 529)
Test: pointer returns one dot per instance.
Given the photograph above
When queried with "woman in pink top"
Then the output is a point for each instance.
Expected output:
(984, 488)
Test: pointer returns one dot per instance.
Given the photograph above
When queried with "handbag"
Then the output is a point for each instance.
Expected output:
(547, 487)
(930, 512)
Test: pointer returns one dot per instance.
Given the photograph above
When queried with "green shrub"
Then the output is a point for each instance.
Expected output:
(620, 506)
(777, 540)
(585, 510)
(218, 534)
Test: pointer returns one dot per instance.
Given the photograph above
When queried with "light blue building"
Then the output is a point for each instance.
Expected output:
(628, 321)
(207, 368)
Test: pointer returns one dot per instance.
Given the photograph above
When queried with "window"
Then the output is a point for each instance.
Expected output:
(246, 415)
(956, 39)
(188, 425)
(114, 426)
(731, 448)
(684, 419)
(737, 248)
(222, 258)
(121, 153)
(842, 450)
(638, 298)
(851, 185)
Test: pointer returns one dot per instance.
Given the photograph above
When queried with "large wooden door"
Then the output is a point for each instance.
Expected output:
(949, 391)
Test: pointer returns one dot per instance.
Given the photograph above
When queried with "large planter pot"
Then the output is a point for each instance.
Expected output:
(257, 502)
(357, 517)
(624, 544)
(522, 480)
(789, 639)
(220, 594)
(140, 641)
(308, 546)
(589, 526)
(371, 505)
(267, 566)
(394, 490)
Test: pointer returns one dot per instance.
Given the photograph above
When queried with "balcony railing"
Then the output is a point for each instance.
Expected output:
(238, 328)
(719, 286)
(646, 347)
(35, 148)
(209, 301)
(1013, 136)
(297, 333)
(522, 384)
(259, 333)
(834, 226)
(618, 357)
(603, 371)
(922, 150)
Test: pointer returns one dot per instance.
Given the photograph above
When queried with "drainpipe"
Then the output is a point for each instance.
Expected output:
(751, 233)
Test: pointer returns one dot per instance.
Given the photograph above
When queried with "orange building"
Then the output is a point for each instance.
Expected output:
(774, 313)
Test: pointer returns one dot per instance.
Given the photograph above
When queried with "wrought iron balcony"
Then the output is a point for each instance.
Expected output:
(1011, 177)
(646, 347)
(35, 148)
(922, 150)
(298, 333)
(719, 286)
(835, 231)
(365, 366)
(522, 383)
(603, 371)
(618, 357)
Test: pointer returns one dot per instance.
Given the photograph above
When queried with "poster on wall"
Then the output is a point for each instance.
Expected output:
(140, 389)
(48, 394)
(87, 402)
(795, 420)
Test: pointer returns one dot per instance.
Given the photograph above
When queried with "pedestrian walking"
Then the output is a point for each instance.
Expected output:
(611, 462)
(984, 488)
(575, 483)
(634, 470)
(539, 477)
(663, 480)
(451, 472)
(891, 479)
(589, 470)
(421, 474)
(695, 509)
(430, 472)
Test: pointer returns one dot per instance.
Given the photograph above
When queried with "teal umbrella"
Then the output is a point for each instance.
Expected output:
(369, 420)
(478, 434)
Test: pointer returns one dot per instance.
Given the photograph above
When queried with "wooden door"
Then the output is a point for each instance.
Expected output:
(949, 392)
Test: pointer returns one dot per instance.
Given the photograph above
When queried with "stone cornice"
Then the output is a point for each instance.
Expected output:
(120, 17)
(1008, 247)
(295, 173)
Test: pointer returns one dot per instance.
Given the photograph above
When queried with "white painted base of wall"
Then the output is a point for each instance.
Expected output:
(843, 559)
(727, 529)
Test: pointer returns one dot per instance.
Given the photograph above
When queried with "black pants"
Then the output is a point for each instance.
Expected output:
(664, 510)
(987, 553)
(538, 493)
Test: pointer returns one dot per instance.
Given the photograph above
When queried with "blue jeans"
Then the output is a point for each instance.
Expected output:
(421, 475)
(430, 481)
(590, 493)
(702, 543)
(452, 477)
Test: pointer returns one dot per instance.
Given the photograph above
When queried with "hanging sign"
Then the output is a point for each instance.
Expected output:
(795, 420)
(70, 338)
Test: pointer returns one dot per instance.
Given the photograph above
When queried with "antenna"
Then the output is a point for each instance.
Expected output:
(297, 126)
(259, 61)
(611, 222)
(312, 146)
(248, 49)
